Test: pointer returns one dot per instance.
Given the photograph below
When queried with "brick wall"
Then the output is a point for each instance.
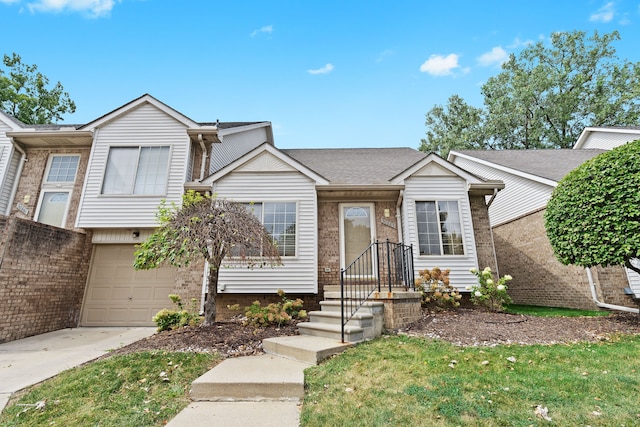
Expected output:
(483, 235)
(524, 252)
(43, 273)
(30, 184)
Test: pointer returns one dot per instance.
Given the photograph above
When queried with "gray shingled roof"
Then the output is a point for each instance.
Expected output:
(549, 164)
(357, 166)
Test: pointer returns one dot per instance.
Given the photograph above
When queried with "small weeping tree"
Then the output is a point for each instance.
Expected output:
(209, 228)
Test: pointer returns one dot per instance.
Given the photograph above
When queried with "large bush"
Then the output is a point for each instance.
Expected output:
(593, 217)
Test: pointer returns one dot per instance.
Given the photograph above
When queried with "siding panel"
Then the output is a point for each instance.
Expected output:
(143, 126)
(440, 188)
(299, 273)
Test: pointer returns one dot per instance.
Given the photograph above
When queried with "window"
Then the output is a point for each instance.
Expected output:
(56, 189)
(279, 219)
(439, 228)
(137, 170)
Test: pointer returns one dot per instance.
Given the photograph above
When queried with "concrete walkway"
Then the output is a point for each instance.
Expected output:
(32, 360)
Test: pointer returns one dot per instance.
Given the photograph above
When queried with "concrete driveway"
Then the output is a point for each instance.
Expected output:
(32, 360)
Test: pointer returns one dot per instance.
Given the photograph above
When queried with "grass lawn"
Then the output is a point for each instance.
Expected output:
(532, 310)
(139, 389)
(405, 381)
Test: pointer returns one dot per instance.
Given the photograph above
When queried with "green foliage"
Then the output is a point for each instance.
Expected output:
(168, 319)
(277, 313)
(593, 216)
(543, 98)
(489, 292)
(24, 93)
(436, 289)
(138, 389)
(539, 311)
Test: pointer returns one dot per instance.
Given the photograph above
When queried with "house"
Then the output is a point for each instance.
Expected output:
(516, 213)
(103, 181)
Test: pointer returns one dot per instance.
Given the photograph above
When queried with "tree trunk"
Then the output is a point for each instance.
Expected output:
(210, 304)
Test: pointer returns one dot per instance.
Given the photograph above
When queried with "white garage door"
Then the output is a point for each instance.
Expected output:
(118, 295)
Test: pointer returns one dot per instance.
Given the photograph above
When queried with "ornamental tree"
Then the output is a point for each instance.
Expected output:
(593, 217)
(211, 229)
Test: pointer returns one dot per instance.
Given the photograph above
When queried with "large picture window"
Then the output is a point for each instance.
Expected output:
(279, 218)
(439, 228)
(56, 189)
(137, 170)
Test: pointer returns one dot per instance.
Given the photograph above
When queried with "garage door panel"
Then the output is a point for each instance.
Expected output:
(118, 295)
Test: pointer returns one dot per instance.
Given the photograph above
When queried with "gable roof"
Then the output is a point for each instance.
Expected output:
(552, 165)
(610, 129)
(357, 166)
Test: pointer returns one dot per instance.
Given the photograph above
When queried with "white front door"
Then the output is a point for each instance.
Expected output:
(356, 234)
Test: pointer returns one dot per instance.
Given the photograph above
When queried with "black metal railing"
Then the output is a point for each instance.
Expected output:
(383, 265)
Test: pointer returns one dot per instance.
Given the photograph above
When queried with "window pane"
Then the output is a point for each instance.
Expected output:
(450, 228)
(63, 169)
(120, 173)
(53, 208)
(151, 177)
(427, 222)
(280, 221)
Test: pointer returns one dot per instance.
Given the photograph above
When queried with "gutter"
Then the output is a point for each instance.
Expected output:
(605, 305)
(204, 156)
(399, 214)
(23, 160)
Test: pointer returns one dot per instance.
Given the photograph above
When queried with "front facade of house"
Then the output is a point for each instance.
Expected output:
(105, 180)
(517, 220)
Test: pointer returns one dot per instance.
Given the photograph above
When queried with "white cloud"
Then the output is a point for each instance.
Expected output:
(267, 29)
(439, 65)
(324, 70)
(497, 56)
(517, 43)
(604, 14)
(93, 8)
(383, 55)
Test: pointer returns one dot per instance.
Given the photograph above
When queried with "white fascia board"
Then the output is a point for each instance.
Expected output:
(511, 171)
(319, 179)
(136, 103)
(433, 158)
(586, 131)
(238, 129)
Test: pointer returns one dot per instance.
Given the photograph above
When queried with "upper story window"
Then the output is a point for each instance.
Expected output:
(137, 170)
(439, 228)
(279, 218)
(55, 194)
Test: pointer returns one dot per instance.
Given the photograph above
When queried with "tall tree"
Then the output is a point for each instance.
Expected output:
(24, 93)
(545, 96)
(211, 229)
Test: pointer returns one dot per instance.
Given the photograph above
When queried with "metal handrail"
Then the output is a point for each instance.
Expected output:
(381, 260)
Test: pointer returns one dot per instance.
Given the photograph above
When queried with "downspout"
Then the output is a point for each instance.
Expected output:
(23, 160)
(605, 305)
(204, 155)
(399, 214)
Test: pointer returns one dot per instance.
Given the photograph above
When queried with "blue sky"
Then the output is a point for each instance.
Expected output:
(326, 73)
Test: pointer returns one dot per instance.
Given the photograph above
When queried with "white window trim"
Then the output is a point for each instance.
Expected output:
(44, 190)
(372, 221)
(138, 146)
(57, 186)
(262, 202)
(462, 232)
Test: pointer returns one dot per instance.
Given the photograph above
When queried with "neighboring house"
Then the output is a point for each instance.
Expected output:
(104, 180)
(516, 213)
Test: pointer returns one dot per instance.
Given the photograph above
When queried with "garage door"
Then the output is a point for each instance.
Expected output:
(118, 295)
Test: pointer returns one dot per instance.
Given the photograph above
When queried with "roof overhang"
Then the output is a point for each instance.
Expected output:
(207, 133)
(358, 192)
(51, 139)
(485, 188)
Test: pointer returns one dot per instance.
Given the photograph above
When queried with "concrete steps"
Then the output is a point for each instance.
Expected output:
(257, 390)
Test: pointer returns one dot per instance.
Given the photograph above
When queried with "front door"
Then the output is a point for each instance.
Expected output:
(356, 234)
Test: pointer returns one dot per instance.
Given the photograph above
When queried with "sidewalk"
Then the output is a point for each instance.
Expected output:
(34, 359)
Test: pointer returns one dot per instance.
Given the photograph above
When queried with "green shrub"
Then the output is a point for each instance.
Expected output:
(436, 289)
(277, 313)
(488, 292)
(167, 319)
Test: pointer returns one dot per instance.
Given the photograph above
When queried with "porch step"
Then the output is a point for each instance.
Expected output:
(304, 348)
(362, 320)
(251, 378)
(352, 334)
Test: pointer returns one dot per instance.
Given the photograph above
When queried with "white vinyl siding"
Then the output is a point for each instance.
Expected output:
(608, 140)
(8, 179)
(234, 146)
(145, 126)
(298, 274)
(420, 189)
(520, 195)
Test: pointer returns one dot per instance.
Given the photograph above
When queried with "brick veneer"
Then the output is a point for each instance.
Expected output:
(43, 272)
(482, 232)
(523, 251)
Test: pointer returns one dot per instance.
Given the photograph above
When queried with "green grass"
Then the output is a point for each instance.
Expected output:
(404, 381)
(139, 389)
(532, 310)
